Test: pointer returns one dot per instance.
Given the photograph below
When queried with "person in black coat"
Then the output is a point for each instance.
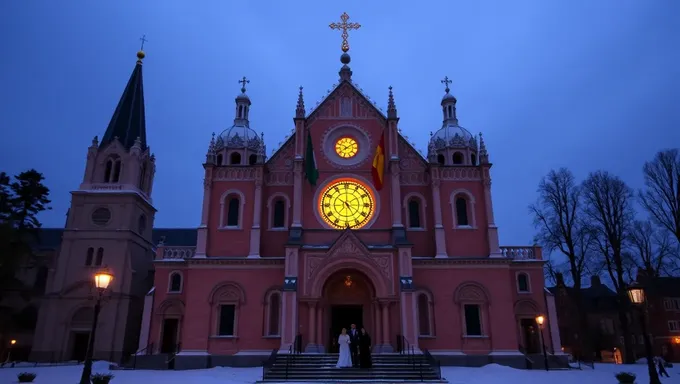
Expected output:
(354, 339)
(365, 349)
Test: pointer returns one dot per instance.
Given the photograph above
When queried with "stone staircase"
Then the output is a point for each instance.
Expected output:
(321, 368)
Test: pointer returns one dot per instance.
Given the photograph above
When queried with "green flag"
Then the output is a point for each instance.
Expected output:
(312, 173)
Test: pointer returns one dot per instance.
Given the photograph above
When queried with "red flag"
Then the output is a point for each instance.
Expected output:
(378, 170)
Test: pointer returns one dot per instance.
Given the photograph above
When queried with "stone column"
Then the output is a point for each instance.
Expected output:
(313, 344)
(297, 193)
(494, 248)
(386, 345)
(439, 236)
(407, 307)
(257, 216)
(319, 328)
(377, 333)
(289, 318)
(396, 193)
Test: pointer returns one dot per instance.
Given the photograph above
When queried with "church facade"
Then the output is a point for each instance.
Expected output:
(346, 223)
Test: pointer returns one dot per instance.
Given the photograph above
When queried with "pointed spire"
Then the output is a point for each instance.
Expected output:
(391, 107)
(483, 154)
(128, 121)
(431, 150)
(300, 109)
(448, 104)
(210, 155)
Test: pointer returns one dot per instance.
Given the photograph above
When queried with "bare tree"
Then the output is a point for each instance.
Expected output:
(651, 249)
(608, 206)
(661, 196)
(558, 219)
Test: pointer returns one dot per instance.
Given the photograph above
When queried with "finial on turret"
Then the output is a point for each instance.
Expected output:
(391, 106)
(300, 108)
(140, 54)
(243, 82)
(446, 83)
(431, 150)
(483, 154)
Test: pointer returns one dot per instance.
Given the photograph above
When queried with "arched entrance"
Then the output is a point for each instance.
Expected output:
(350, 299)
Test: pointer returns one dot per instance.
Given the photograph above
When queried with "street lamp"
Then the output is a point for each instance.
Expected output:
(12, 343)
(102, 279)
(636, 294)
(540, 320)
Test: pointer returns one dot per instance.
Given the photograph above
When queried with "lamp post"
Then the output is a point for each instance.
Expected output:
(102, 279)
(12, 343)
(540, 320)
(636, 294)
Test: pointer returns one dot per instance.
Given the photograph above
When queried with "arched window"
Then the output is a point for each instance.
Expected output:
(142, 177)
(115, 177)
(100, 257)
(461, 212)
(458, 158)
(441, 159)
(473, 303)
(233, 211)
(90, 256)
(473, 159)
(279, 214)
(414, 219)
(141, 225)
(218, 161)
(107, 172)
(274, 314)
(175, 285)
(235, 158)
(252, 159)
(522, 282)
(424, 315)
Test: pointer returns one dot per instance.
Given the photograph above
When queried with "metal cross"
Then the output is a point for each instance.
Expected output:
(144, 40)
(243, 84)
(344, 26)
(446, 83)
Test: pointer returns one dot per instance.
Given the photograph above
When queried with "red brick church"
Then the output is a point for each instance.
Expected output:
(345, 223)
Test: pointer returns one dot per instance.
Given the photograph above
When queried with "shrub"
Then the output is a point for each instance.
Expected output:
(26, 377)
(101, 378)
(625, 377)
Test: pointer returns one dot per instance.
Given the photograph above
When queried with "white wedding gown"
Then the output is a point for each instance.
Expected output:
(345, 358)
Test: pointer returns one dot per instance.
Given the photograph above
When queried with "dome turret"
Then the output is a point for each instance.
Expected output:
(452, 144)
(239, 144)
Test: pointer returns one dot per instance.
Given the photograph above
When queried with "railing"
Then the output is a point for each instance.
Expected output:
(434, 364)
(269, 363)
(148, 350)
(171, 356)
(177, 253)
(405, 348)
(521, 253)
(529, 363)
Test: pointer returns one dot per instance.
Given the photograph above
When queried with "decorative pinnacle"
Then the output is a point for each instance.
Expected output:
(140, 53)
(391, 107)
(300, 109)
(344, 26)
(446, 83)
(243, 82)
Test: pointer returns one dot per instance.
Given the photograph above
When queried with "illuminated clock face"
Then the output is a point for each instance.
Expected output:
(346, 147)
(346, 203)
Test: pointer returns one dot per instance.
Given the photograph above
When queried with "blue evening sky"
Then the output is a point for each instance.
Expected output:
(587, 84)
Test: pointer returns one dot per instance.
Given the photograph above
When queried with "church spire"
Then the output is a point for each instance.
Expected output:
(128, 122)
(300, 108)
(391, 106)
(242, 105)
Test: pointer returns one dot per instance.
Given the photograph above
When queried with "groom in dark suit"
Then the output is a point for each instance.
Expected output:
(354, 337)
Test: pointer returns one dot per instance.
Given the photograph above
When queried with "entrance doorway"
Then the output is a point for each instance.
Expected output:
(343, 316)
(79, 342)
(530, 336)
(169, 337)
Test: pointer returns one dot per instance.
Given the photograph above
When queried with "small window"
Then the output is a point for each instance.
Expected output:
(235, 158)
(101, 216)
(279, 214)
(523, 282)
(674, 326)
(424, 315)
(227, 320)
(414, 213)
(461, 212)
(141, 225)
(274, 314)
(473, 159)
(252, 159)
(458, 158)
(175, 282)
(100, 257)
(473, 324)
(40, 282)
(233, 212)
(107, 172)
(441, 159)
(90, 256)
(218, 161)
(115, 177)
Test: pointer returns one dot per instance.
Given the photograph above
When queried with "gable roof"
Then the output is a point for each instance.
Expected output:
(354, 87)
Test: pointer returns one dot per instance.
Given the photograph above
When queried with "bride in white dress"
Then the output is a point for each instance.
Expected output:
(345, 358)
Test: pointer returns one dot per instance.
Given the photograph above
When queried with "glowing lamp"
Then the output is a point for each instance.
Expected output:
(348, 281)
(540, 319)
(12, 342)
(676, 340)
(636, 293)
(102, 279)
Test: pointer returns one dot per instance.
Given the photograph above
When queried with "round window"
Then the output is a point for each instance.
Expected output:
(101, 216)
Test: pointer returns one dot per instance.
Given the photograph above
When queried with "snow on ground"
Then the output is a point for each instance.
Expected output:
(493, 373)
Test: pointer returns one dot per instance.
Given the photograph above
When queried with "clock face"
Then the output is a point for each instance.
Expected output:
(346, 147)
(346, 203)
